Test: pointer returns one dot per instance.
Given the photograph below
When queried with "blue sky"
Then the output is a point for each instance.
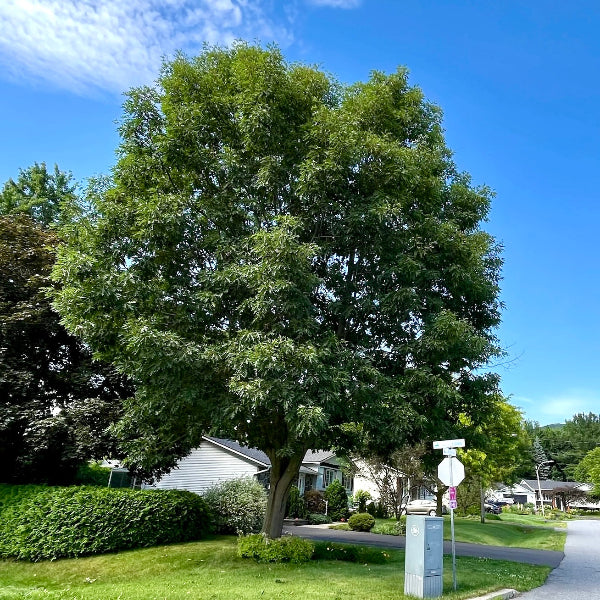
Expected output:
(519, 84)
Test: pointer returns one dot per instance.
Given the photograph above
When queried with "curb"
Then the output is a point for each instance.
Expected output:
(505, 594)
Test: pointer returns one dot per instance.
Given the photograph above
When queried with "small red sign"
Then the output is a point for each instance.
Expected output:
(452, 493)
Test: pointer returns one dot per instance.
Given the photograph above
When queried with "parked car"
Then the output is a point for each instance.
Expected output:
(423, 507)
(491, 507)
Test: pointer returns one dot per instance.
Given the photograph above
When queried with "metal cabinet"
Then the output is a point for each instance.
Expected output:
(424, 559)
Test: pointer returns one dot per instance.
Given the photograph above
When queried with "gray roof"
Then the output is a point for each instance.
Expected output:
(550, 484)
(258, 456)
(252, 453)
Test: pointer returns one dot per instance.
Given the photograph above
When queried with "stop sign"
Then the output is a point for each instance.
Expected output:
(458, 471)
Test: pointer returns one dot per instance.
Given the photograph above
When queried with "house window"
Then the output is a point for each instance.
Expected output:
(328, 476)
(347, 482)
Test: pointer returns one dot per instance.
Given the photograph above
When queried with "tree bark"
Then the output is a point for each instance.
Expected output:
(284, 472)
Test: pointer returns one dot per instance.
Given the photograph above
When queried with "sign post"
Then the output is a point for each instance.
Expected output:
(451, 472)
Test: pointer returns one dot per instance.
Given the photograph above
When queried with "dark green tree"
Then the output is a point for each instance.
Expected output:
(55, 403)
(337, 501)
(286, 260)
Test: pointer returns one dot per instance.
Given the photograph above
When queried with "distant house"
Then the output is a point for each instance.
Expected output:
(555, 494)
(216, 460)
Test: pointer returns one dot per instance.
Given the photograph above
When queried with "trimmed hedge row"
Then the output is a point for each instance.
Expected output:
(39, 522)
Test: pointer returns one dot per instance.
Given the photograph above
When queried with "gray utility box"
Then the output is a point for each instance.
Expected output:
(424, 559)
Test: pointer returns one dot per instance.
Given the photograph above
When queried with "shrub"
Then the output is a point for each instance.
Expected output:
(92, 474)
(238, 505)
(314, 501)
(55, 522)
(492, 517)
(361, 522)
(360, 498)
(318, 519)
(390, 527)
(285, 549)
(296, 507)
(377, 510)
(337, 501)
(349, 553)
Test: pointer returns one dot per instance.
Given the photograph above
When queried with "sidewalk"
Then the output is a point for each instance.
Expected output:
(578, 575)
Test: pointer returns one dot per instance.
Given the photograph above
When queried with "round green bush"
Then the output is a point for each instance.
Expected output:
(238, 505)
(361, 522)
(76, 521)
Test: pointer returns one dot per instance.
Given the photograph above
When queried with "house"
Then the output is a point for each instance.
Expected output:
(217, 459)
(555, 494)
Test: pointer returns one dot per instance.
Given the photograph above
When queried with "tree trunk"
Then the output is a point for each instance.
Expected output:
(284, 473)
(482, 501)
(439, 497)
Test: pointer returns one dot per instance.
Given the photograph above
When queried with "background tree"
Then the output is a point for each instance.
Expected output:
(588, 470)
(493, 454)
(396, 476)
(289, 261)
(55, 403)
(38, 193)
(566, 444)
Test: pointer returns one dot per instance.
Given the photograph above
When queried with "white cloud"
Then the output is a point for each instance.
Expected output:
(82, 45)
(337, 3)
(572, 402)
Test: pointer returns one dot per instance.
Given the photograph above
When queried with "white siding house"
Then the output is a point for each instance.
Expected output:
(212, 462)
(217, 460)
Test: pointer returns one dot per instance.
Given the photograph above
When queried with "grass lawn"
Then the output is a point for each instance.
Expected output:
(509, 534)
(519, 532)
(211, 570)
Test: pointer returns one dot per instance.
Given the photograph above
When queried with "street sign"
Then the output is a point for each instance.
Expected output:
(451, 471)
(452, 493)
(453, 504)
(439, 444)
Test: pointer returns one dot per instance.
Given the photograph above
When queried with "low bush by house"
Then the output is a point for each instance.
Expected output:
(38, 522)
(238, 505)
(318, 519)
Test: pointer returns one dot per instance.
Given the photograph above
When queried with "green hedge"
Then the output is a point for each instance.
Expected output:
(49, 522)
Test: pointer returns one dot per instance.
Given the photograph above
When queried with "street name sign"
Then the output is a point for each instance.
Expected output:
(439, 444)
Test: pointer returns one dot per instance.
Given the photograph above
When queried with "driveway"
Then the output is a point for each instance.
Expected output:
(524, 555)
(578, 575)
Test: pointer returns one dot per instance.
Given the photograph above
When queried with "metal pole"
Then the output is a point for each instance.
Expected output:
(537, 473)
(452, 530)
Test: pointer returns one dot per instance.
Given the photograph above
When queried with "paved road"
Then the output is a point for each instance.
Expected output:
(578, 575)
(524, 555)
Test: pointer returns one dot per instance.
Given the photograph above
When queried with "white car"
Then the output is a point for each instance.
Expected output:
(423, 507)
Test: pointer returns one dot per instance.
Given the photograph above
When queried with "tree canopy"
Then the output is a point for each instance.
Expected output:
(286, 260)
(38, 193)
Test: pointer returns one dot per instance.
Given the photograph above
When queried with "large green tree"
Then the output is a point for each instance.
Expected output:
(286, 260)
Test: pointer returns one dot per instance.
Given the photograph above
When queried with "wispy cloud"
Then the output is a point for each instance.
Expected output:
(85, 45)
